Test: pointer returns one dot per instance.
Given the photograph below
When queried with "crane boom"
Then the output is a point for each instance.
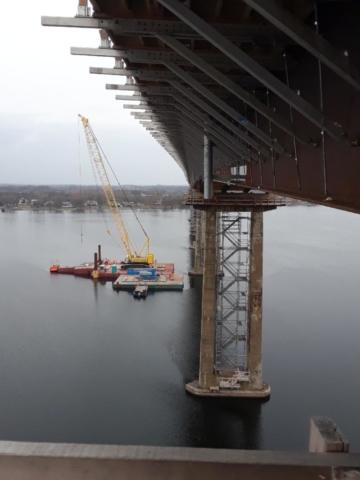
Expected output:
(97, 161)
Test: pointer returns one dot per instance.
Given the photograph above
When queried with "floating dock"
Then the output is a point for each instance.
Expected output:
(163, 282)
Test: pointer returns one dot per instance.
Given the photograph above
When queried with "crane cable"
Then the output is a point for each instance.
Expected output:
(93, 165)
(79, 138)
(97, 187)
(126, 198)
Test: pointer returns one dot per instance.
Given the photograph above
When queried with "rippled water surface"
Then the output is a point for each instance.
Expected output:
(81, 363)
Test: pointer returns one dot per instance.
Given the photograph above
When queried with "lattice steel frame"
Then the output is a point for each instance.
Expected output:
(233, 292)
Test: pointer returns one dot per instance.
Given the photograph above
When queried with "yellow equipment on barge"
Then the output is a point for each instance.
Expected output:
(142, 256)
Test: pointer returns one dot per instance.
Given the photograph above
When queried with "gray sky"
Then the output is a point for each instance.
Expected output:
(43, 88)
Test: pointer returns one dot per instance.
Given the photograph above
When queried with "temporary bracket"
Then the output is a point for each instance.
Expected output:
(151, 26)
(162, 75)
(140, 55)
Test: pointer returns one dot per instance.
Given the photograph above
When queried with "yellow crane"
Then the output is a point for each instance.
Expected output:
(143, 256)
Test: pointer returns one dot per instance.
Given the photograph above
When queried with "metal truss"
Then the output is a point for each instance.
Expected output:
(232, 312)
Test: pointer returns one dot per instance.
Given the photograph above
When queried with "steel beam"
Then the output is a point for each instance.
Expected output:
(232, 87)
(226, 108)
(149, 27)
(147, 56)
(142, 98)
(305, 36)
(238, 132)
(221, 135)
(230, 150)
(162, 75)
(160, 108)
(254, 68)
(153, 88)
(207, 125)
(214, 135)
(191, 110)
(141, 55)
(142, 88)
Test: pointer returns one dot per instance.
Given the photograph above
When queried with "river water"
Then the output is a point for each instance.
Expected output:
(80, 363)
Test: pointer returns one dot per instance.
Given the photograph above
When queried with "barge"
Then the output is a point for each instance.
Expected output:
(122, 274)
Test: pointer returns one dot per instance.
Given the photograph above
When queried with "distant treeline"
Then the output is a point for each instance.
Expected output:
(43, 196)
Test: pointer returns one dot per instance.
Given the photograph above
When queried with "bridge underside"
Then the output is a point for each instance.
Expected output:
(275, 86)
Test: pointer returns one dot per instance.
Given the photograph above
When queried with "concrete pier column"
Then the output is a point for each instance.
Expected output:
(246, 380)
(207, 378)
(254, 358)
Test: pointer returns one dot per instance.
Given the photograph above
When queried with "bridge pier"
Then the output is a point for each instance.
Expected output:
(231, 321)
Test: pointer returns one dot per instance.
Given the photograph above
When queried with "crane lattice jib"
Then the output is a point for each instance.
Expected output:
(97, 161)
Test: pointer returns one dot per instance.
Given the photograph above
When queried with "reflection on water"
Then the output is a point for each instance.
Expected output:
(81, 363)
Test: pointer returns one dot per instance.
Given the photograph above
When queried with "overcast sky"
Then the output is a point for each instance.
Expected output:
(43, 88)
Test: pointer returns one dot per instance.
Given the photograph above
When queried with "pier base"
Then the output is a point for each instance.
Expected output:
(195, 389)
